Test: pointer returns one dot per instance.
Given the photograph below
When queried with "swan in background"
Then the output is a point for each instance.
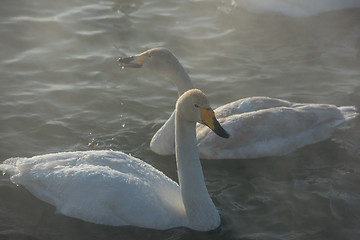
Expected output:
(295, 8)
(259, 126)
(113, 188)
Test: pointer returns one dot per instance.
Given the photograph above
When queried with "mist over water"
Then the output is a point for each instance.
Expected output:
(62, 90)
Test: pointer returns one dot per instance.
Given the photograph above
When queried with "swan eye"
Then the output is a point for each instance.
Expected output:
(195, 105)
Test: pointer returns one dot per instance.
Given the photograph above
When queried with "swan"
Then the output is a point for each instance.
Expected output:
(259, 126)
(295, 8)
(113, 188)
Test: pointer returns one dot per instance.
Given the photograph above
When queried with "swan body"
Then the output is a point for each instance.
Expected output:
(100, 187)
(259, 126)
(113, 188)
(295, 8)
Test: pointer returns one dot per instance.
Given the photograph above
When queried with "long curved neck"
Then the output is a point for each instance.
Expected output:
(180, 78)
(163, 140)
(200, 210)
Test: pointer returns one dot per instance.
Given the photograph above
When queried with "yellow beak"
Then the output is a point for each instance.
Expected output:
(209, 119)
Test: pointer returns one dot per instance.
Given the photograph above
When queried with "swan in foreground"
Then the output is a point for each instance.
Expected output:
(113, 188)
(259, 126)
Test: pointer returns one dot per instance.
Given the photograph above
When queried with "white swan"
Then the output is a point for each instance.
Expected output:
(113, 188)
(296, 8)
(259, 126)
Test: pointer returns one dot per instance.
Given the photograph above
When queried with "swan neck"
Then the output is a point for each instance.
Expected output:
(200, 210)
(180, 78)
(163, 141)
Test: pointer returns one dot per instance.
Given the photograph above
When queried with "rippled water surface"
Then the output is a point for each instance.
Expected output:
(62, 90)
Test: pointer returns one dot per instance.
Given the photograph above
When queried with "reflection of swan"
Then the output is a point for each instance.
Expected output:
(296, 8)
(116, 189)
(259, 126)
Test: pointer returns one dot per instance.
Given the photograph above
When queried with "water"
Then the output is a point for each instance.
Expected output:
(62, 90)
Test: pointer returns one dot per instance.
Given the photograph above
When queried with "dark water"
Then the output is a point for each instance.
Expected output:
(62, 90)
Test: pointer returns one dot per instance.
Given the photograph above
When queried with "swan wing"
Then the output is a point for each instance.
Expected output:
(163, 141)
(272, 131)
(250, 104)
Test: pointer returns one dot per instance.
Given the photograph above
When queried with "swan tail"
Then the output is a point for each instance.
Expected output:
(349, 112)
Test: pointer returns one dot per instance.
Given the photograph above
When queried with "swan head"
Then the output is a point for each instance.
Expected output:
(158, 59)
(194, 106)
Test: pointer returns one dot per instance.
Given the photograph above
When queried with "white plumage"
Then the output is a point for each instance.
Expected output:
(113, 188)
(259, 126)
(102, 187)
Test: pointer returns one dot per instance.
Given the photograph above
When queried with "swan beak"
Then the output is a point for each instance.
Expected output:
(136, 61)
(208, 118)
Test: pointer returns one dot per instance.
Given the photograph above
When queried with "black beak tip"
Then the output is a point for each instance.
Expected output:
(128, 62)
(124, 60)
(220, 131)
(223, 133)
